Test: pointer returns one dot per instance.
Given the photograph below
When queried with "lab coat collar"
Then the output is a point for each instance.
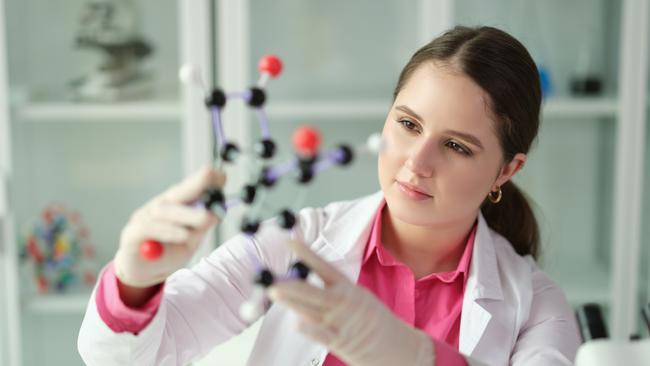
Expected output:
(343, 242)
(345, 239)
(484, 265)
(483, 292)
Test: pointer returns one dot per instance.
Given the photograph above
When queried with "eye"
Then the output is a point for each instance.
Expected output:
(409, 125)
(458, 148)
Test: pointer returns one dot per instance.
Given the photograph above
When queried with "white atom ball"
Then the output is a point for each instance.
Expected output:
(375, 143)
(250, 311)
(189, 74)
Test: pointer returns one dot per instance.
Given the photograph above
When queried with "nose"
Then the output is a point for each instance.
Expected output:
(421, 158)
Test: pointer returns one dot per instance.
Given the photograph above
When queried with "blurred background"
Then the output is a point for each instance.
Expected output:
(94, 122)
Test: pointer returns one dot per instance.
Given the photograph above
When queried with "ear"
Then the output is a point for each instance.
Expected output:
(510, 169)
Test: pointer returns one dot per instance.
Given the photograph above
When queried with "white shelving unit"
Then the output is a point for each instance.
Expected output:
(141, 111)
(171, 126)
(9, 305)
(555, 107)
(169, 111)
(57, 304)
(329, 109)
(628, 184)
(588, 107)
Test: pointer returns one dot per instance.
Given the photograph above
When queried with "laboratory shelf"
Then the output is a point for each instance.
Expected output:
(332, 109)
(169, 110)
(163, 110)
(580, 107)
(47, 304)
(369, 110)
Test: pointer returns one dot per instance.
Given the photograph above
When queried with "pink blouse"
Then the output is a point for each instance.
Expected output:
(432, 303)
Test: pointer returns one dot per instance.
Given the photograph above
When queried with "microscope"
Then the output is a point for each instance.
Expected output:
(598, 350)
(110, 26)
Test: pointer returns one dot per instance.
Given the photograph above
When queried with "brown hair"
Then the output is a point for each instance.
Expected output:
(502, 67)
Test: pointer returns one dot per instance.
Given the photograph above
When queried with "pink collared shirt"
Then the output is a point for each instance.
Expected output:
(432, 303)
(113, 311)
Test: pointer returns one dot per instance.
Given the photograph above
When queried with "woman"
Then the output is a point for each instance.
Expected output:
(437, 268)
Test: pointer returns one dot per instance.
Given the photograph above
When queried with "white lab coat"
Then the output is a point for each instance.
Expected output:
(512, 312)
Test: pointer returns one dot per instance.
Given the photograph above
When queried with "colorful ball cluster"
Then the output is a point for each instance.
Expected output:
(57, 247)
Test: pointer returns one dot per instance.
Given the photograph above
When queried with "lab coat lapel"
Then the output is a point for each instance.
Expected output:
(483, 292)
(342, 243)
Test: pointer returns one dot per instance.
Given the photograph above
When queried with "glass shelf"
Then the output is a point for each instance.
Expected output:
(366, 110)
(575, 107)
(48, 304)
(329, 109)
(167, 110)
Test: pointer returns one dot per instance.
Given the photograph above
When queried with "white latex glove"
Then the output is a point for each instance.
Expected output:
(349, 319)
(170, 220)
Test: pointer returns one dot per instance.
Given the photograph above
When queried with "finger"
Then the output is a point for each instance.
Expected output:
(182, 215)
(192, 187)
(317, 332)
(302, 292)
(197, 235)
(160, 231)
(325, 271)
(305, 310)
(349, 299)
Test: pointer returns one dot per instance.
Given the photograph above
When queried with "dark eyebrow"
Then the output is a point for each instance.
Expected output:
(408, 110)
(467, 137)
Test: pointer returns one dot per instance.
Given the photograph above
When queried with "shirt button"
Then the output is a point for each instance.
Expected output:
(314, 362)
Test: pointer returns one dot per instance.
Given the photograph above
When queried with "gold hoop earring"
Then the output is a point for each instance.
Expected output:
(495, 197)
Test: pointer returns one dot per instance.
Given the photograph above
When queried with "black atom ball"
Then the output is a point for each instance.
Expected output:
(346, 155)
(264, 278)
(287, 219)
(258, 97)
(211, 197)
(229, 152)
(250, 227)
(216, 99)
(265, 148)
(248, 193)
(300, 269)
(305, 174)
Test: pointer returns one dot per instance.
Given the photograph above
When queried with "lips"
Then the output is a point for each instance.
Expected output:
(413, 191)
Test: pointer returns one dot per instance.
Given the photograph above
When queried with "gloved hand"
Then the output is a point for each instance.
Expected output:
(168, 219)
(349, 319)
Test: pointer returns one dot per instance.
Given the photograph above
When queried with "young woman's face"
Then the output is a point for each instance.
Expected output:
(442, 153)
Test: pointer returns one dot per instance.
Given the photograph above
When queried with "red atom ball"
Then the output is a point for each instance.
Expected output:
(306, 140)
(270, 64)
(151, 250)
(42, 283)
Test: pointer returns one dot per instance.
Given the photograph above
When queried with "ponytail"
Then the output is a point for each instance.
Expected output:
(514, 219)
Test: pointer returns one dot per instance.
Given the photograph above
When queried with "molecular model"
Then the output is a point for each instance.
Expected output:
(306, 164)
(58, 249)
